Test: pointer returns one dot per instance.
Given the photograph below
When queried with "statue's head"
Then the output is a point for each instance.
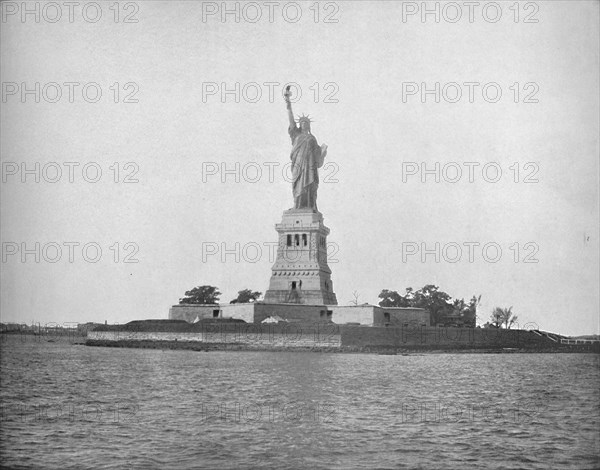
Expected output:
(304, 123)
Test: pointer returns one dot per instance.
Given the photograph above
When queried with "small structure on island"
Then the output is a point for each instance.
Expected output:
(274, 319)
(262, 312)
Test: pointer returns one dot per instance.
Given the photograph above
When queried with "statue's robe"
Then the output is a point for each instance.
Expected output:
(306, 157)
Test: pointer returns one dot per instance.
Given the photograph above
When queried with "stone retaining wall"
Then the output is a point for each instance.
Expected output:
(321, 336)
(264, 336)
(444, 338)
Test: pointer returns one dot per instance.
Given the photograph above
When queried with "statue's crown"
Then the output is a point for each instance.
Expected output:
(304, 118)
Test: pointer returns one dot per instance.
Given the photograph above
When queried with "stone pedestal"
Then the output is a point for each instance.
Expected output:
(300, 273)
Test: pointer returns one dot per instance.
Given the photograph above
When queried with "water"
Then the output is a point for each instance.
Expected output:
(69, 406)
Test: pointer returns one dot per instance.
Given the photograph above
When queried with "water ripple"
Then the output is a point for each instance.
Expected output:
(66, 406)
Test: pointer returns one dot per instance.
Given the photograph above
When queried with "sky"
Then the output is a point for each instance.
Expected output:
(463, 152)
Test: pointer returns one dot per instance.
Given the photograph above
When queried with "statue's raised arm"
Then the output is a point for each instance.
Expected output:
(288, 103)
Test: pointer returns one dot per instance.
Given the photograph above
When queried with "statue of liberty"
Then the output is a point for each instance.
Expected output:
(306, 156)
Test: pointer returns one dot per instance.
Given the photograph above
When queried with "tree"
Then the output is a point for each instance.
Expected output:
(201, 295)
(441, 306)
(436, 301)
(503, 317)
(429, 297)
(472, 313)
(466, 314)
(391, 298)
(245, 296)
(356, 295)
